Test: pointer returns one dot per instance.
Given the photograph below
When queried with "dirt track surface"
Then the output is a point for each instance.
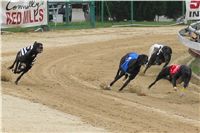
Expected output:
(67, 76)
(24, 116)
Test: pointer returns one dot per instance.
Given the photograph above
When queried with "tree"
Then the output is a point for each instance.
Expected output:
(143, 10)
(174, 9)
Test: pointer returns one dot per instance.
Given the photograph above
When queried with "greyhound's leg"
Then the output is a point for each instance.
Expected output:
(22, 67)
(166, 59)
(147, 66)
(117, 73)
(23, 72)
(186, 80)
(160, 76)
(126, 76)
(165, 64)
(117, 78)
(10, 67)
(153, 83)
(19, 71)
(125, 84)
(16, 82)
(16, 67)
(151, 60)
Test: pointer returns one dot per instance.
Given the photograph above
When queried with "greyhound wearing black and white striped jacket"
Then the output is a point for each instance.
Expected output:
(25, 58)
(158, 54)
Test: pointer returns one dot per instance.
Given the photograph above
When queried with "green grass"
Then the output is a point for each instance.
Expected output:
(86, 25)
(28, 29)
(195, 66)
(148, 23)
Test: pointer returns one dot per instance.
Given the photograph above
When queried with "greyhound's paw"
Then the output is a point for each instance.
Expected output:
(105, 87)
(16, 82)
(108, 87)
(175, 89)
(120, 90)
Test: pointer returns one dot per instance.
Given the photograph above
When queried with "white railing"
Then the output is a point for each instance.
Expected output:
(187, 41)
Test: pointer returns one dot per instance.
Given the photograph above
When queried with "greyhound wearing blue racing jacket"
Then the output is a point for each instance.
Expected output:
(129, 67)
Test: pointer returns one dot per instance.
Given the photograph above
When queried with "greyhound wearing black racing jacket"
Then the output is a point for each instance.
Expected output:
(158, 54)
(174, 72)
(25, 58)
(129, 67)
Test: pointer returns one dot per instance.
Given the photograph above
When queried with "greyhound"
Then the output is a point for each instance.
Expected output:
(158, 54)
(174, 72)
(129, 67)
(25, 58)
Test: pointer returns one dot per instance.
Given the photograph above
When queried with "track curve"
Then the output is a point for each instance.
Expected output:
(68, 78)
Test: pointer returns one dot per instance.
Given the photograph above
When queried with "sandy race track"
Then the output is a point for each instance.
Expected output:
(68, 74)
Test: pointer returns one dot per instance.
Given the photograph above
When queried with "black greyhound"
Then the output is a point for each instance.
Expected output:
(174, 72)
(25, 58)
(129, 67)
(158, 55)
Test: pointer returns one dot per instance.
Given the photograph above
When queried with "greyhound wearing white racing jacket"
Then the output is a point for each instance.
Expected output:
(158, 54)
(154, 48)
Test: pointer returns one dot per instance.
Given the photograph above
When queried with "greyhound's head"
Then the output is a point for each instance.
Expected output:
(38, 47)
(142, 59)
(167, 51)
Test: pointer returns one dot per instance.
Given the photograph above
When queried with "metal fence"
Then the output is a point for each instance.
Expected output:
(67, 13)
